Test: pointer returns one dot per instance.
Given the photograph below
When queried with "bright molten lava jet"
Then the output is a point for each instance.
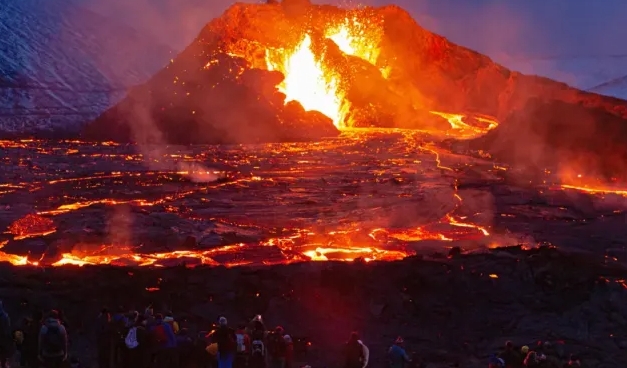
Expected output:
(314, 85)
(306, 81)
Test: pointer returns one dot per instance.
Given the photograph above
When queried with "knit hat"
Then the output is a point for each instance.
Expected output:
(222, 321)
(524, 349)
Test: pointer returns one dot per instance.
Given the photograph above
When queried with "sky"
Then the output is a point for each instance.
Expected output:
(536, 28)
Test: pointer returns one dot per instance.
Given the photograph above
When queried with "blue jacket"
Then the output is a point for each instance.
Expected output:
(171, 343)
(398, 357)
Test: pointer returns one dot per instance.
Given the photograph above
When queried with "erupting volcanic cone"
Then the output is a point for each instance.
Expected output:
(293, 71)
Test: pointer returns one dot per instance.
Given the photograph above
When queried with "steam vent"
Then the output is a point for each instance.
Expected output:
(294, 71)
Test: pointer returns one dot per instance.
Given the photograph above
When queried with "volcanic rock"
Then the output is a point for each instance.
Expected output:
(561, 136)
(221, 101)
(196, 99)
(450, 312)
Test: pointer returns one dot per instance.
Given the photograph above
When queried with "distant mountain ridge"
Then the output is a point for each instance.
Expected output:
(62, 65)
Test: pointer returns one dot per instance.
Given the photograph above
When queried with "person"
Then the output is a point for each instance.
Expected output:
(53, 342)
(510, 356)
(165, 343)
(136, 342)
(289, 351)
(103, 338)
(496, 362)
(243, 347)
(169, 319)
(257, 350)
(6, 337)
(397, 356)
(277, 348)
(225, 338)
(257, 328)
(354, 352)
(30, 332)
(531, 360)
(117, 333)
(185, 345)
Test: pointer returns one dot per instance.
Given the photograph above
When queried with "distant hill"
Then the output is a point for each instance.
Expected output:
(615, 87)
(62, 65)
(603, 74)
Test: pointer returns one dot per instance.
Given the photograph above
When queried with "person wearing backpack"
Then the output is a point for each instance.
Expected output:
(118, 330)
(257, 350)
(277, 348)
(243, 347)
(53, 342)
(225, 337)
(6, 337)
(164, 341)
(136, 342)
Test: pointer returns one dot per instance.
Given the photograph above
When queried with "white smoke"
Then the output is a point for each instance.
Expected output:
(152, 146)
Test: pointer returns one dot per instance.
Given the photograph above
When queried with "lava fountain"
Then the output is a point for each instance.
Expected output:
(313, 83)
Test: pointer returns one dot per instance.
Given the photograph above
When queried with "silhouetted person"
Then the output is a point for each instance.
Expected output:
(6, 337)
(53, 342)
(103, 338)
(397, 356)
(225, 337)
(30, 332)
(354, 353)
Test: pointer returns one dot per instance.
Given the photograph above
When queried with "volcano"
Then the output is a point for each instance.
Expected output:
(296, 71)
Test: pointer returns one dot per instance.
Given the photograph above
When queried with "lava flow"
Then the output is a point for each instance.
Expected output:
(369, 194)
(282, 203)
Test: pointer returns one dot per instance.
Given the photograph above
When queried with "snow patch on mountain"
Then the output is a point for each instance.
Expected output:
(61, 65)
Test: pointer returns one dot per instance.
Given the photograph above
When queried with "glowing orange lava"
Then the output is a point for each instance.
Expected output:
(31, 226)
(309, 82)
(465, 130)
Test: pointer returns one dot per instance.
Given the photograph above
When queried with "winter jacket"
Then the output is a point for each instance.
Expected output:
(43, 349)
(398, 357)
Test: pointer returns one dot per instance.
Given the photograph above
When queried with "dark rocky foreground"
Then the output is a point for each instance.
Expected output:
(451, 311)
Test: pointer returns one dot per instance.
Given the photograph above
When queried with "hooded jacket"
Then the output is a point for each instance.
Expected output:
(50, 323)
(397, 356)
(175, 325)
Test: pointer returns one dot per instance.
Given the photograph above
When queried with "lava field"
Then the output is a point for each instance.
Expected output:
(375, 194)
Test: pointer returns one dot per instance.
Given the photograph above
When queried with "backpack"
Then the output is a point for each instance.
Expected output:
(131, 338)
(241, 343)
(159, 334)
(257, 348)
(53, 340)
